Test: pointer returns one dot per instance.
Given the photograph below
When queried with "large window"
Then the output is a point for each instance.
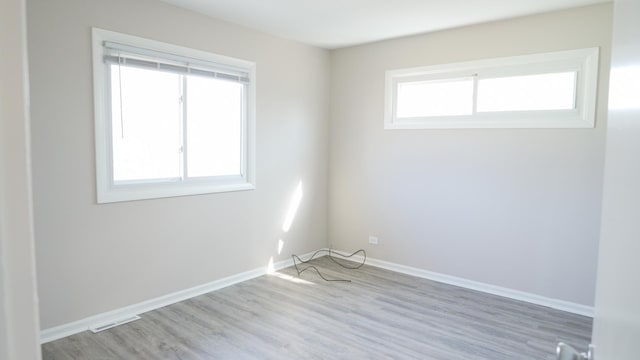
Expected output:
(170, 121)
(551, 90)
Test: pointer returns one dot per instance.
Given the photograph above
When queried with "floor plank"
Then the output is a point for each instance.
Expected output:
(379, 315)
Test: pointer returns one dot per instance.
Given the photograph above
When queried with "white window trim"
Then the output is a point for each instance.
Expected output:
(107, 191)
(583, 61)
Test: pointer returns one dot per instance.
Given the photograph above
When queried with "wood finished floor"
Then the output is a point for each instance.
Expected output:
(379, 315)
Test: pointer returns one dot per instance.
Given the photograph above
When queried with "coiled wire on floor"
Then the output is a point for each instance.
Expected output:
(298, 261)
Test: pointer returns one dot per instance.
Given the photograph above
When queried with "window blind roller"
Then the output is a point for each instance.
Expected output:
(128, 55)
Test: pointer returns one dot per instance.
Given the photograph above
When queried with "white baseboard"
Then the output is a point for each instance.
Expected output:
(480, 286)
(75, 327)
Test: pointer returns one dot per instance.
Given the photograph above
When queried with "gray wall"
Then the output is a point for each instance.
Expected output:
(508, 207)
(94, 258)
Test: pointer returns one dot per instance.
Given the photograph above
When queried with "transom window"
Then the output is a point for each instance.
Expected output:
(551, 90)
(170, 121)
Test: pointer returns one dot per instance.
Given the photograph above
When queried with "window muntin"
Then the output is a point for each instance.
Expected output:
(551, 90)
(170, 121)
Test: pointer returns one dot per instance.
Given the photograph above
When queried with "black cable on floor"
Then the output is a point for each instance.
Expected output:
(331, 253)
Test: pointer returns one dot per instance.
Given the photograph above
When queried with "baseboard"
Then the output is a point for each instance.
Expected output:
(75, 327)
(480, 286)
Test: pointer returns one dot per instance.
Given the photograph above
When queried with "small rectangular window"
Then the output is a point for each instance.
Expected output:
(555, 91)
(447, 98)
(170, 121)
(551, 90)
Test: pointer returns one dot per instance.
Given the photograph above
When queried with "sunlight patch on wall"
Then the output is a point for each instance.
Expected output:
(270, 267)
(293, 208)
(280, 246)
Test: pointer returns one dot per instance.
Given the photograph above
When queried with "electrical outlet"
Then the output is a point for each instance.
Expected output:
(373, 240)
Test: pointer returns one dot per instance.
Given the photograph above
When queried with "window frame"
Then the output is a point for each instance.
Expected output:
(584, 62)
(107, 191)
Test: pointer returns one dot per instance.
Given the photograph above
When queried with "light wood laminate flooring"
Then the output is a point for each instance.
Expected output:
(379, 315)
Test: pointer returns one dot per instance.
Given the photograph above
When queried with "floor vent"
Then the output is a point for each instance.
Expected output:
(115, 323)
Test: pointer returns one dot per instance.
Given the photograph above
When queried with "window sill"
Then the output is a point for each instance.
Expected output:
(147, 192)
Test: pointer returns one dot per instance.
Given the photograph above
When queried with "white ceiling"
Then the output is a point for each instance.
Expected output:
(339, 23)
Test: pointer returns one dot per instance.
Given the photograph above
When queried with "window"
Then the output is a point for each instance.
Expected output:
(551, 90)
(170, 121)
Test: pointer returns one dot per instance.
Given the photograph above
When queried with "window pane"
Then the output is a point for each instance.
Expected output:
(531, 92)
(214, 127)
(435, 98)
(146, 139)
